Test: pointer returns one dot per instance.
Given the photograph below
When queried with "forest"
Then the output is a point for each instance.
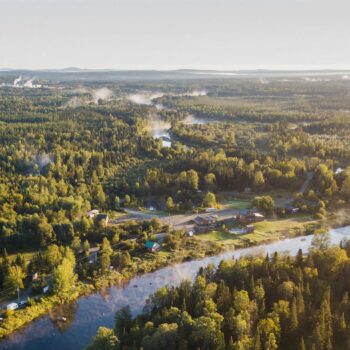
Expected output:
(69, 147)
(251, 303)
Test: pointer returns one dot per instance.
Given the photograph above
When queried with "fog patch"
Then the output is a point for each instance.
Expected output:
(144, 98)
(101, 94)
(20, 83)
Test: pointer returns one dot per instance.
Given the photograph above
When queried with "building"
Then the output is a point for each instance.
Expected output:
(12, 306)
(250, 217)
(102, 217)
(92, 213)
(152, 246)
(205, 220)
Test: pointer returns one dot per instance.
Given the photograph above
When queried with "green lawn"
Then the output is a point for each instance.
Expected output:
(264, 231)
(218, 236)
(239, 204)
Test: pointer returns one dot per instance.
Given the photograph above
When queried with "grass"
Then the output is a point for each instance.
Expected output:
(265, 231)
(238, 204)
(218, 236)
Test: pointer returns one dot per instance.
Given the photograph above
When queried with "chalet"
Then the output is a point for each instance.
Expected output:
(92, 213)
(102, 217)
(152, 246)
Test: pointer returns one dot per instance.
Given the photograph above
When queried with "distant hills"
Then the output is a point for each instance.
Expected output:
(109, 75)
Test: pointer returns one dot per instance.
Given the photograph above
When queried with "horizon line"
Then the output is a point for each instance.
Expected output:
(209, 68)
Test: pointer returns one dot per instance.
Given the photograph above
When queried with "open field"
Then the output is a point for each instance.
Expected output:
(264, 231)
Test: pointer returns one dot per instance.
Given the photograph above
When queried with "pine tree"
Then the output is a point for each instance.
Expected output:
(300, 303)
(293, 319)
(342, 322)
(257, 341)
(219, 341)
(230, 345)
(106, 252)
(271, 343)
(327, 316)
(302, 344)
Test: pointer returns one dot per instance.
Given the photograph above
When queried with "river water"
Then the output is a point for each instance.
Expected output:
(85, 315)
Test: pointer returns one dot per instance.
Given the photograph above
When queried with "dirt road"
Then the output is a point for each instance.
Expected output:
(177, 221)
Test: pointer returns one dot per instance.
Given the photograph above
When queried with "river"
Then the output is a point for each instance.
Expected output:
(85, 315)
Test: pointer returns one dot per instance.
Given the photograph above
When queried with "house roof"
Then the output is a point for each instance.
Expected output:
(151, 244)
(93, 211)
(256, 215)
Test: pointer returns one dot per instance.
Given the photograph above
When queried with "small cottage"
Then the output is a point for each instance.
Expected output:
(152, 246)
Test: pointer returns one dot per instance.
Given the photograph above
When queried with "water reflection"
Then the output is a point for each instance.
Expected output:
(63, 316)
(88, 313)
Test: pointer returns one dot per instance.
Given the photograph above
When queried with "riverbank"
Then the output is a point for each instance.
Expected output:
(96, 309)
(189, 249)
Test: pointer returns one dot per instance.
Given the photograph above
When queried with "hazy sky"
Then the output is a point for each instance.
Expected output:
(158, 34)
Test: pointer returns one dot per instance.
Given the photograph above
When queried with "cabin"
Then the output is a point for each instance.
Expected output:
(102, 218)
(152, 246)
(205, 220)
(250, 217)
(92, 213)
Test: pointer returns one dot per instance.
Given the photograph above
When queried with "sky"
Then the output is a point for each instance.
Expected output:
(175, 34)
